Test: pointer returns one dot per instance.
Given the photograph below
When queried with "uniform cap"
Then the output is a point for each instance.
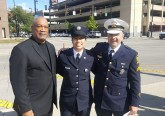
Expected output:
(115, 25)
(78, 31)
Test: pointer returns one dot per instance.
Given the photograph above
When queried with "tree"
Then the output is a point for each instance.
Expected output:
(20, 20)
(91, 24)
(69, 25)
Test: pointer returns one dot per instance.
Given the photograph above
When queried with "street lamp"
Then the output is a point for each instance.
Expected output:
(111, 9)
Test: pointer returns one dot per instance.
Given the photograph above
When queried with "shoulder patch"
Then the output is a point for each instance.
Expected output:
(137, 62)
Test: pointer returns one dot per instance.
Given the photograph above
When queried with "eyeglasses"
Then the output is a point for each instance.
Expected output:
(41, 27)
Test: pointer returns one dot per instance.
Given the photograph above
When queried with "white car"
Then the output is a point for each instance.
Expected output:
(93, 34)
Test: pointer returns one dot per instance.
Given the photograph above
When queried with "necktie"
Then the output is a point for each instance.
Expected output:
(110, 55)
(77, 58)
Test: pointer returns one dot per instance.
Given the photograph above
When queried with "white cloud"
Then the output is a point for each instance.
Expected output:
(24, 6)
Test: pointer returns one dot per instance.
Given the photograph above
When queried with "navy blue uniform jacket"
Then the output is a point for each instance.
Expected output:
(33, 78)
(117, 82)
(76, 83)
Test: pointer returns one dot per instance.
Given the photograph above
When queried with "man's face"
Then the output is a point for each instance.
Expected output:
(40, 29)
(115, 39)
(78, 43)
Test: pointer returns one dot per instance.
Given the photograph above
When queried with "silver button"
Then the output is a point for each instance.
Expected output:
(76, 82)
(109, 70)
(76, 75)
(110, 62)
(77, 69)
(105, 86)
(106, 78)
(76, 88)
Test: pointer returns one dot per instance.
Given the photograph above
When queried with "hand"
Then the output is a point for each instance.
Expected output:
(28, 113)
(62, 49)
(133, 110)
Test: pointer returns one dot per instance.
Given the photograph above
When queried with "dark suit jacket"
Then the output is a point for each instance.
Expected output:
(117, 82)
(32, 78)
(76, 83)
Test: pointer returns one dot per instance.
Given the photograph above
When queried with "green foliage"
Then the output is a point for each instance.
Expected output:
(24, 19)
(69, 25)
(91, 24)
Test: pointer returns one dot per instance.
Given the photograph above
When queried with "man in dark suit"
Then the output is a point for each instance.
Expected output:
(33, 73)
(75, 64)
(117, 73)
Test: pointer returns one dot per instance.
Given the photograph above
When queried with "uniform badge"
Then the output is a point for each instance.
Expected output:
(85, 70)
(113, 24)
(122, 71)
(122, 63)
(99, 56)
(84, 57)
(78, 28)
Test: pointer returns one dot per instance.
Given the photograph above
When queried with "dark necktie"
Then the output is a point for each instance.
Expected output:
(110, 54)
(77, 58)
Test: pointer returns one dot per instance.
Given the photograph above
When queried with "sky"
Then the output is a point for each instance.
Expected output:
(29, 4)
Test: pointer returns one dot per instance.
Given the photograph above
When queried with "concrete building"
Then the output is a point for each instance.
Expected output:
(138, 13)
(4, 26)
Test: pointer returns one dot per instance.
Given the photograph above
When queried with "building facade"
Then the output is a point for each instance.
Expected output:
(142, 15)
(4, 26)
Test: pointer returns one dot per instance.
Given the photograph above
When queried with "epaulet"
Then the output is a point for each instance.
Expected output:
(102, 44)
(129, 48)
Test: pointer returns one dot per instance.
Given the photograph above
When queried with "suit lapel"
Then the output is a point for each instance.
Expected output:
(83, 57)
(119, 53)
(52, 58)
(105, 53)
(71, 57)
(40, 53)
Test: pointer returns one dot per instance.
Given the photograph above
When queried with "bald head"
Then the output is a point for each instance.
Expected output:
(40, 29)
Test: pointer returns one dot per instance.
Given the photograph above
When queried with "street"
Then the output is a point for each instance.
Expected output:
(151, 59)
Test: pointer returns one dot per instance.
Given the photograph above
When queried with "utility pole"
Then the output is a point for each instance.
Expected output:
(50, 6)
(111, 9)
(16, 22)
(35, 9)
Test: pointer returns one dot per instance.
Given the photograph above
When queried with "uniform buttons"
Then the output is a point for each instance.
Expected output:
(105, 86)
(76, 88)
(76, 75)
(106, 78)
(109, 70)
(76, 82)
(77, 69)
(110, 62)
(118, 93)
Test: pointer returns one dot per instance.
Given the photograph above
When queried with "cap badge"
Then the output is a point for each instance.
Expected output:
(78, 28)
(113, 24)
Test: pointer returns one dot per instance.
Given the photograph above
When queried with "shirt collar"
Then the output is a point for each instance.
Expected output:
(115, 50)
(75, 53)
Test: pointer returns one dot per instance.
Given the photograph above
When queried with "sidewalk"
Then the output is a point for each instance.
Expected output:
(152, 104)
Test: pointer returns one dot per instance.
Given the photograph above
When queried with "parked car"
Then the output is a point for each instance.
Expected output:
(126, 35)
(93, 34)
(162, 35)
